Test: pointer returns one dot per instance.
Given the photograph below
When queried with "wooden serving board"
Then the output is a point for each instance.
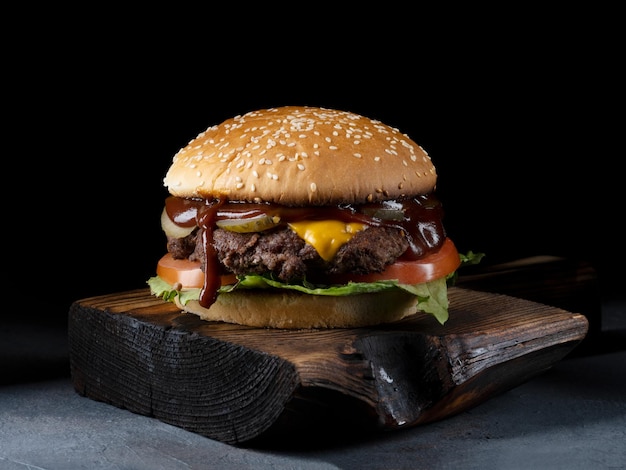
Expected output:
(240, 385)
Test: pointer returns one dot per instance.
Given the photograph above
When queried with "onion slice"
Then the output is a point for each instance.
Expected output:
(173, 230)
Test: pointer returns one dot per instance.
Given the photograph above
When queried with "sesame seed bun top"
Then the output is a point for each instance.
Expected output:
(301, 156)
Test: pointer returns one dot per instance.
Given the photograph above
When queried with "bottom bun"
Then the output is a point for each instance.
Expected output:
(286, 309)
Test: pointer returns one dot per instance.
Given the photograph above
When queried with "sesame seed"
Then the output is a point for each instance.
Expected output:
(239, 185)
(313, 187)
(301, 167)
(332, 147)
(357, 155)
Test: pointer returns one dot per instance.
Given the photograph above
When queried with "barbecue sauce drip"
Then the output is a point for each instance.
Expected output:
(422, 224)
(212, 281)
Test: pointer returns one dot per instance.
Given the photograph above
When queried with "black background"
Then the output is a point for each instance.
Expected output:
(507, 112)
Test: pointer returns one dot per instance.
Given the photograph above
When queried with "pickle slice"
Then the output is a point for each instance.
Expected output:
(387, 210)
(384, 213)
(253, 224)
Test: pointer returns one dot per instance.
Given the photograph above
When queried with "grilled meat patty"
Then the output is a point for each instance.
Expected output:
(287, 257)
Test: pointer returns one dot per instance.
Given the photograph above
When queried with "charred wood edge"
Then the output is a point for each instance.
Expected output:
(154, 370)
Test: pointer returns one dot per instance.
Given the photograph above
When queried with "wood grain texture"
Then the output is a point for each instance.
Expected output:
(238, 384)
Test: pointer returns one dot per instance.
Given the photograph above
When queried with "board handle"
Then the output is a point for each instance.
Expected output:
(556, 281)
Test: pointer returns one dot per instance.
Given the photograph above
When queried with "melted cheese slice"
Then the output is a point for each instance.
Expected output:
(326, 236)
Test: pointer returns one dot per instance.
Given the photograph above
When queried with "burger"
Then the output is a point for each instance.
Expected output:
(304, 217)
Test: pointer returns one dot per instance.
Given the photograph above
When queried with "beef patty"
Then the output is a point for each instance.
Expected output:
(287, 257)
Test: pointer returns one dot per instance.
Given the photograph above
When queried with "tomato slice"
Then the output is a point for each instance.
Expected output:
(433, 266)
(187, 273)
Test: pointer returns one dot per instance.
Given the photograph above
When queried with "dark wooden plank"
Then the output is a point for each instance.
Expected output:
(238, 384)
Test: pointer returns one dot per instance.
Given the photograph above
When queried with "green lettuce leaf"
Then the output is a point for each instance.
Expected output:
(431, 297)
